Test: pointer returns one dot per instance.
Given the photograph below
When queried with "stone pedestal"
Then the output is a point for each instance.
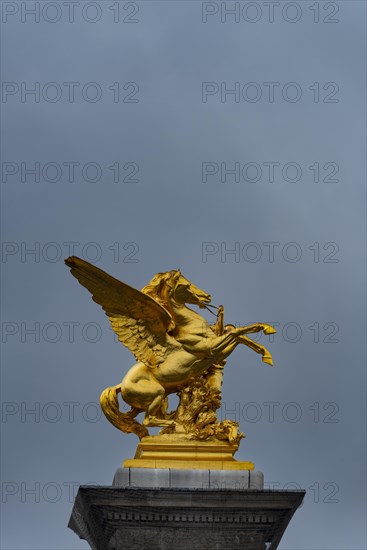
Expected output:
(160, 478)
(165, 509)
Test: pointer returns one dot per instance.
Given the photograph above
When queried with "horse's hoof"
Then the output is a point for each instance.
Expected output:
(158, 422)
(268, 360)
(269, 330)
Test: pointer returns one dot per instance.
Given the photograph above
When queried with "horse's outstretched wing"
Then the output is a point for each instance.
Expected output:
(140, 323)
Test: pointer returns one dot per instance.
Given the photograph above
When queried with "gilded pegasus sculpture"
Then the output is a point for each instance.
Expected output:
(176, 349)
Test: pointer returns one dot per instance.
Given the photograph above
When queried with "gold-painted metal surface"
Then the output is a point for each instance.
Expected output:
(189, 464)
(177, 351)
(179, 451)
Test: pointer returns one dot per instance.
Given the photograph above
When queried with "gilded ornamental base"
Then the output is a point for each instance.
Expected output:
(180, 452)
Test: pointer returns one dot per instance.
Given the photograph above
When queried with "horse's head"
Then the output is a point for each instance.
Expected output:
(172, 285)
(185, 292)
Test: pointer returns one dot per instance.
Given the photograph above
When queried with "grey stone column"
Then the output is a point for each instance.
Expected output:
(149, 509)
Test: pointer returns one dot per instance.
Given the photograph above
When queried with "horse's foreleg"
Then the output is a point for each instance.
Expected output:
(257, 327)
(222, 346)
(267, 358)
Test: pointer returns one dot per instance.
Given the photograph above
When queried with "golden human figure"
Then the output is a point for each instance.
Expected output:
(177, 351)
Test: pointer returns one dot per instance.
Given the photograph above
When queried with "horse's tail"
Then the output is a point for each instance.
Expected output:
(122, 421)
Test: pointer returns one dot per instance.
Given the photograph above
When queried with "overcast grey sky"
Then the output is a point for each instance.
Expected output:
(164, 135)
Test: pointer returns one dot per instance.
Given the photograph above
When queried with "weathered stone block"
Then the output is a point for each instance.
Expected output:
(132, 518)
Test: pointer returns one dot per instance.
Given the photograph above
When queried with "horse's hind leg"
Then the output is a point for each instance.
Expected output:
(157, 406)
(141, 389)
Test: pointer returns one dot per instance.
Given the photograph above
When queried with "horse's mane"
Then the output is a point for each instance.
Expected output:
(158, 285)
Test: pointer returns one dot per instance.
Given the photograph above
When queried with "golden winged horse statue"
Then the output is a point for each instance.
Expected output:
(174, 345)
